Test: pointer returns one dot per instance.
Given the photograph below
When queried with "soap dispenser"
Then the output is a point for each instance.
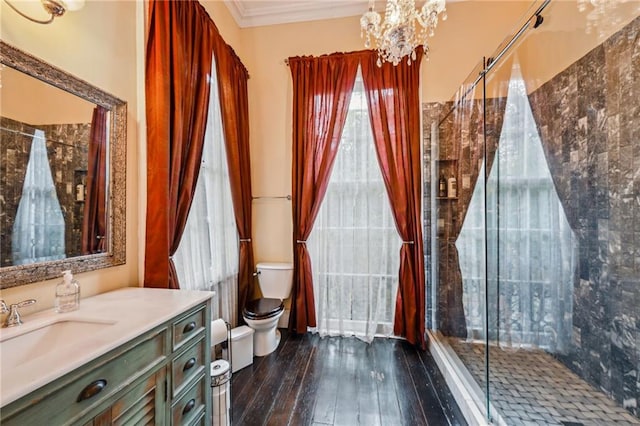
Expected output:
(67, 293)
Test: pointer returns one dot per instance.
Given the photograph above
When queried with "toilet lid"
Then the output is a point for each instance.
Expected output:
(263, 308)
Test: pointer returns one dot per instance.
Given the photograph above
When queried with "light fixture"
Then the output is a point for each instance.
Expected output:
(404, 28)
(55, 8)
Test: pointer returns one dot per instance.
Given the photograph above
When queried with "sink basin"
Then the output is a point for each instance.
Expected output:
(16, 349)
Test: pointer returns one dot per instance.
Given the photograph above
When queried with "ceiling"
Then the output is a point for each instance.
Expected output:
(251, 13)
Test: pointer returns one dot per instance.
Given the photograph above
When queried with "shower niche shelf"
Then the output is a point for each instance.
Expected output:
(447, 168)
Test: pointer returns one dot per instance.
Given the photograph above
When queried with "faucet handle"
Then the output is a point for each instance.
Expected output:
(13, 318)
(3, 307)
(24, 303)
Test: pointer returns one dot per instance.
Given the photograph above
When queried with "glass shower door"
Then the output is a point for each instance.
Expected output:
(559, 347)
(458, 273)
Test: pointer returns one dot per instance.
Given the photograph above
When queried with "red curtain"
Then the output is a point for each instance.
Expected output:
(394, 107)
(95, 204)
(179, 50)
(321, 93)
(234, 103)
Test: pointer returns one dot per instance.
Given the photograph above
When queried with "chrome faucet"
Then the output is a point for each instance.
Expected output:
(13, 318)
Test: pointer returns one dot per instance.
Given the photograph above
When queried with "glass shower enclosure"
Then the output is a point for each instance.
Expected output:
(532, 205)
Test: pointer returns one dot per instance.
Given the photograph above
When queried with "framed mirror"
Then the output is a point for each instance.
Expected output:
(62, 172)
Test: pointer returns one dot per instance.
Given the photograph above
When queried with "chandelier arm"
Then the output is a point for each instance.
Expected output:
(24, 15)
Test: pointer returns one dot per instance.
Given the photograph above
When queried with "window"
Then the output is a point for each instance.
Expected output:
(354, 245)
(207, 258)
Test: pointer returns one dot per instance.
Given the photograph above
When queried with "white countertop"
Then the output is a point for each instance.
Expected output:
(129, 312)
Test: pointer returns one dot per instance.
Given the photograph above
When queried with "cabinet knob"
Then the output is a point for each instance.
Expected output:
(189, 364)
(189, 327)
(188, 407)
(92, 390)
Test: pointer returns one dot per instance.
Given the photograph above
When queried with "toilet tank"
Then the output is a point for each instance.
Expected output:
(275, 279)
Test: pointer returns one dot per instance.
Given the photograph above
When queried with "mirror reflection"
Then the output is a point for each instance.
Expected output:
(62, 172)
(53, 151)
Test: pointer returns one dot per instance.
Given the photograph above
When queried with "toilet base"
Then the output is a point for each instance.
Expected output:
(265, 342)
(266, 336)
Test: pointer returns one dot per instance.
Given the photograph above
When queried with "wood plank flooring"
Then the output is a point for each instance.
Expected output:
(342, 381)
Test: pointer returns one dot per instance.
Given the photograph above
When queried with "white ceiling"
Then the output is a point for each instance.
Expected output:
(251, 13)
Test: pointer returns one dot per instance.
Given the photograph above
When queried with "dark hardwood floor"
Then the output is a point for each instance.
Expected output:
(342, 381)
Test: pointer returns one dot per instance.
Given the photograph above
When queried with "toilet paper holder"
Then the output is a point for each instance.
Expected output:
(221, 335)
(218, 337)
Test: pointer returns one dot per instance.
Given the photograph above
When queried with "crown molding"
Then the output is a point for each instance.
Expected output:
(261, 13)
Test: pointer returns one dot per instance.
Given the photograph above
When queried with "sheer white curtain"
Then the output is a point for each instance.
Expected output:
(207, 258)
(531, 247)
(354, 244)
(38, 232)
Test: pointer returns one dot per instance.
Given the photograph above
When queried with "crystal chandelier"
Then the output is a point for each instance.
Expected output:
(404, 28)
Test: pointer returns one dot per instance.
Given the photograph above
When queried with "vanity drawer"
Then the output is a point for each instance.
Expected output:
(190, 406)
(141, 405)
(186, 366)
(66, 402)
(187, 327)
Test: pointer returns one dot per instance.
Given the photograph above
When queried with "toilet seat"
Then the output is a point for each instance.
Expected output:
(263, 308)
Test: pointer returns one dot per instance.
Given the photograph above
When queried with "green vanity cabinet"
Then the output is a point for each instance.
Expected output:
(142, 404)
(160, 377)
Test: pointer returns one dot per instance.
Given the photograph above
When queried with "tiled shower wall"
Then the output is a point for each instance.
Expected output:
(588, 118)
(67, 149)
(468, 157)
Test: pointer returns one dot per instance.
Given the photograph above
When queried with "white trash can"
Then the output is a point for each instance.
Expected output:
(220, 393)
(241, 347)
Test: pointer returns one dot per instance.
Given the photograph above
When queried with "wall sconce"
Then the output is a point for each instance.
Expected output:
(55, 8)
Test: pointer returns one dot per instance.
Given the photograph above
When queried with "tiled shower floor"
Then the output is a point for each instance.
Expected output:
(530, 387)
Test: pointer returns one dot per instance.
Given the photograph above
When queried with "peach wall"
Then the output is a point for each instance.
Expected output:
(32, 101)
(473, 29)
(565, 30)
(96, 44)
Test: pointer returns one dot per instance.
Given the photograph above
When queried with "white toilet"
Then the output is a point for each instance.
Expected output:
(262, 315)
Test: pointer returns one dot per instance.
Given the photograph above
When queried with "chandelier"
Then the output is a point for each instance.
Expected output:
(404, 28)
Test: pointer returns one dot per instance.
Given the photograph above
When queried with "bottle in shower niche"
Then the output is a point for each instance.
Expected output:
(452, 187)
(67, 293)
(442, 187)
